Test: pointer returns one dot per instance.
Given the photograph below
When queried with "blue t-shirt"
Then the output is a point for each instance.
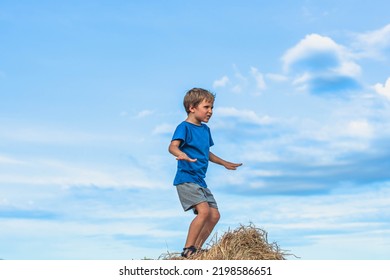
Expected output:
(195, 142)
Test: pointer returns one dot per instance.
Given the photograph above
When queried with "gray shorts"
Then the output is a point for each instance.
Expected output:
(191, 194)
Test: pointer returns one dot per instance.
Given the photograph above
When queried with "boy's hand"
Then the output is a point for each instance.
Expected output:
(183, 156)
(227, 164)
(231, 165)
(175, 150)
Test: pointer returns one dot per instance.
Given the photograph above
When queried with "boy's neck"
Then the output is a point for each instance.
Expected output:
(193, 120)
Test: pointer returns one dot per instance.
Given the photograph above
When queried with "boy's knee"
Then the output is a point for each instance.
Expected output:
(204, 213)
(214, 216)
(203, 210)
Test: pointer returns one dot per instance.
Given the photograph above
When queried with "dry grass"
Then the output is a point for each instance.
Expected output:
(243, 243)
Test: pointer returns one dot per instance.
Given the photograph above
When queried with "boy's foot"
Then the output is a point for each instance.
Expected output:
(188, 251)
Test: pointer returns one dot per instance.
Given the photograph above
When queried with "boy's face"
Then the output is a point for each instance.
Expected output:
(202, 112)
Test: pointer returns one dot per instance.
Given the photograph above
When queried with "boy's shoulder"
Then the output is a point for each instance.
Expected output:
(186, 127)
(191, 125)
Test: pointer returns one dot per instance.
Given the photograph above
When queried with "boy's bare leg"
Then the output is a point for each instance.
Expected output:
(197, 223)
(208, 227)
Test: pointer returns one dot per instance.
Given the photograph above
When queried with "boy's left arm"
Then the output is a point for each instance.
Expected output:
(228, 165)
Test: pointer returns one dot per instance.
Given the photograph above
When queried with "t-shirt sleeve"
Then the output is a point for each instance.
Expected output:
(180, 133)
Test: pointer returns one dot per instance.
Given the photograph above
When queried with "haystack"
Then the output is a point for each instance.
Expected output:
(243, 243)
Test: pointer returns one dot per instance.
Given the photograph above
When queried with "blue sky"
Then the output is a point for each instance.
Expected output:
(91, 91)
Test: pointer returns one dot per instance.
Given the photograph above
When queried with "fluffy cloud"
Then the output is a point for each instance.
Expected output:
(164, 128)
(8, 160)
(320, 65)
(373, 43)
(360, 128)
(309, 50)
(276, 77)
(259, 78)
(144, 113)
(246, 116)
(221, 82)
(252, 82)
(383, 89)
(48, 172)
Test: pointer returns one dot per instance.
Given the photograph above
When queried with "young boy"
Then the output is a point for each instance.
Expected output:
(190, 145)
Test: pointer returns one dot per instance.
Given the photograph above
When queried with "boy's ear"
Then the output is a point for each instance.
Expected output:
(192, 108)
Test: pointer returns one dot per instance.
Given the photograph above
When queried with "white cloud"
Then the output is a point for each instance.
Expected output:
(374, 42)
(301, 81)
(259, 78)
(237, 89)
(251, 82)
(380, 37)
(144, 113)
(9, 160)
(58, 135)
(321, 65)
(383, 89)
(256, 152)
(360, 128)
(248, 116)
(221, 82)
(48, 172)
(42, 236)
(348, 68)
(239, 75)
(164, 128)
(309, 46)
(276, 77)
(240, 83)
(338, 136)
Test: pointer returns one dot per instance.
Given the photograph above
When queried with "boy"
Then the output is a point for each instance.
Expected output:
(190, 145)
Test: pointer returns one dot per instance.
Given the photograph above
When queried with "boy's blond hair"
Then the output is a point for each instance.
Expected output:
(195, 96)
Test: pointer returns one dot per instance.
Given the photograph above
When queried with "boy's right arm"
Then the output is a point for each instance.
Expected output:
(175, 150)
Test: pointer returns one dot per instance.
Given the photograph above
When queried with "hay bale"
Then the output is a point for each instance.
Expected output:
(243, 243)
